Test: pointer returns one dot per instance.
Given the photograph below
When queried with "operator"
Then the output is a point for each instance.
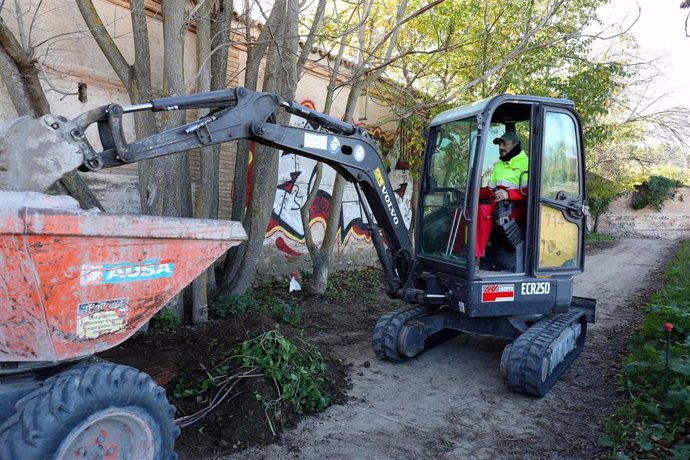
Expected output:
(504, 184)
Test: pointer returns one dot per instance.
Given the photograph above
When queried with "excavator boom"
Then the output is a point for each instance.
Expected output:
(235, 114)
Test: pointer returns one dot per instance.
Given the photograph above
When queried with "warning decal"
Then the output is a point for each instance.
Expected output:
(498, 293)
(101, 317)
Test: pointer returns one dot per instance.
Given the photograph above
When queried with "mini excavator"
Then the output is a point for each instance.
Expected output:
(59, 308)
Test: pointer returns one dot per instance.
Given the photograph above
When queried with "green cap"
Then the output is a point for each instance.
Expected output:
(507, 136)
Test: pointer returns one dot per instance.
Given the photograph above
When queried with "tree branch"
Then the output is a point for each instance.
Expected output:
(21, 31)
(395, 30)
(142, 54)
(12, 46)
(105, 41)
(311, 38)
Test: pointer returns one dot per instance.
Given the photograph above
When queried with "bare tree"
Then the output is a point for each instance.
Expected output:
(279, 42)
(164, 182)
(213, 29)
(373, 55)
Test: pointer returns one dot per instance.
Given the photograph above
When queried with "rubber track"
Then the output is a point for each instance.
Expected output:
(44, 417)
(527, 353)
(385, 337)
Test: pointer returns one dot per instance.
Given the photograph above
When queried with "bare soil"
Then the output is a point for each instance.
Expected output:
(450, 402)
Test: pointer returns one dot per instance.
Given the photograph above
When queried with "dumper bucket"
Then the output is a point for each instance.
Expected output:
(73, 282)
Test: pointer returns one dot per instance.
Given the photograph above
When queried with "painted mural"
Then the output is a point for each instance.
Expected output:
(295, 178)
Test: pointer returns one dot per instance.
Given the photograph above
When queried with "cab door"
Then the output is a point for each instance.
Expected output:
(560, 213)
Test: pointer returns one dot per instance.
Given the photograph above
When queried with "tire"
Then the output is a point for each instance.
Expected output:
(92, 411)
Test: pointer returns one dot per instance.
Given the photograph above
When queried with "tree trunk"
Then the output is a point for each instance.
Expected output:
(320, 259)
(221, 31)
(281, 78)
(204, 196)
(14, 84)
(234, 259)
(168, 188)
(319, 276)
(323, 259)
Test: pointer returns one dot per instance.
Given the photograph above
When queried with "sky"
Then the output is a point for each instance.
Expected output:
(660, 32)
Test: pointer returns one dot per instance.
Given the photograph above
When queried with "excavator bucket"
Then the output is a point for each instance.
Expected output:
(34, 153)
(74, 282)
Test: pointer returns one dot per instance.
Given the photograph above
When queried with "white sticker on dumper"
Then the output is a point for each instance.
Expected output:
(101, 317)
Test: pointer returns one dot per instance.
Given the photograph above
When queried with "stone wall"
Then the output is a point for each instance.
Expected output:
(672, 222)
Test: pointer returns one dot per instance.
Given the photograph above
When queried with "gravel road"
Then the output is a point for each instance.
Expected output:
(451, 402)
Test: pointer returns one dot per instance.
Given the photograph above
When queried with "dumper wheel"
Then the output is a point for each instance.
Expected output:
(92, 411)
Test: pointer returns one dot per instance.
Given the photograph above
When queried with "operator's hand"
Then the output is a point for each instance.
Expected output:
(500, 195)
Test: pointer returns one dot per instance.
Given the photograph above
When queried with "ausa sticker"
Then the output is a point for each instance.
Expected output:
(95, 319)
(125, 272)
(498, 293)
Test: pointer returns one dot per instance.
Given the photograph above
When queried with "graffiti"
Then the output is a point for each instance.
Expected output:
(295, 180)
(387, 139)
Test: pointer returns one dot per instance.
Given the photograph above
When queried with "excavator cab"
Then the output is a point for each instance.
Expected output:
(548, 239)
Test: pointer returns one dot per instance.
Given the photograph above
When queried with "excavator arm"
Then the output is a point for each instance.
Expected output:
(243, 114)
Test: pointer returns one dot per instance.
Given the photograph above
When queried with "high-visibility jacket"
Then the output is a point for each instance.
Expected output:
(506, 175)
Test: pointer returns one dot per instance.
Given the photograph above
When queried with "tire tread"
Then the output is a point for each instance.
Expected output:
(44, 417)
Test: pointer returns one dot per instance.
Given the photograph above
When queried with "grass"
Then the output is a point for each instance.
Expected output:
(265, 299)
(591, 237)
(297, 368)
(166, 320)
(651, 424)
(355, 284)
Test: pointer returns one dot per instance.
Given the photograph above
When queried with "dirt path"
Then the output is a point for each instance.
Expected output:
(452, 403)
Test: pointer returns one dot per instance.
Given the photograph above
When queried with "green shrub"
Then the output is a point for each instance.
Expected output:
(166, 320)
(281, 309)
(600, 193)
(653, 192)
(234, 305)
(297, 368)
(285, 311)
(649, 424)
